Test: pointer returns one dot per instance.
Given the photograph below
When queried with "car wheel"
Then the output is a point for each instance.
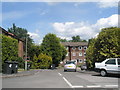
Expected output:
(103, 73)
(65, 70)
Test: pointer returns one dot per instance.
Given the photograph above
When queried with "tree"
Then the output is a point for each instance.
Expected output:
(63, 40)
(22, 34)
(42, 61)
(51, 46)
(9, 49)
(35, 50)
(76, 38)
(106, 45)
(90, 53)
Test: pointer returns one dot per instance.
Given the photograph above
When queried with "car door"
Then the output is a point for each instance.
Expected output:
(118, 62)
(111, 66)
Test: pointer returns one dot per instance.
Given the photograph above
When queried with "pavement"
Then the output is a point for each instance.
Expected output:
(20, 74)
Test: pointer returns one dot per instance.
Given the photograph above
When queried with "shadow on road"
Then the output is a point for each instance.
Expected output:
(110, 75)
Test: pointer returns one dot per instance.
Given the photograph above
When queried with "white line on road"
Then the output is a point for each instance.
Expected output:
(68, 82)
(95, 86)
(77, 86)
(111, 85)
(60, 74)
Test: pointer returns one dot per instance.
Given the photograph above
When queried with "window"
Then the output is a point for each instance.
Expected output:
(74, 54)
(66, 48)
(111, 61)
(80, 48)
(80, 61)
(84, 60)
(118, 61)
(73, 48)
(85, 47)
(84, 53)
(67, 54)
(80, 54)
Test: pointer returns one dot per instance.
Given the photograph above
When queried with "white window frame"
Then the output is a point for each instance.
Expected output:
(73, 48)
(66, 48)
(80, 61)
(67, 54)
(74, 54)
(80, 54)
(85, 47)
(84, 53)
(80, 47)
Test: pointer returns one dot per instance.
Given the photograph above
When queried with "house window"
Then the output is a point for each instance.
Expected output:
(74, 54)
(84, 60)
(80, 54)
(80, 61)
(73, 48)
(80, 48)
(84, 53)
(67, 54)
(66, 48)
(85, 47)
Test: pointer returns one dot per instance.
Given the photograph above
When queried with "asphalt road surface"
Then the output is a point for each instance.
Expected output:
(59, 79)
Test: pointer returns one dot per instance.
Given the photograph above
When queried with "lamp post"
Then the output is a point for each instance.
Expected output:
(26, 56)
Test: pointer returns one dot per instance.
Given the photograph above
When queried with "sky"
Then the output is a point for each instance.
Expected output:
(65, 19)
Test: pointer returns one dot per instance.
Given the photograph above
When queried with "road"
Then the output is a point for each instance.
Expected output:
(59, 79)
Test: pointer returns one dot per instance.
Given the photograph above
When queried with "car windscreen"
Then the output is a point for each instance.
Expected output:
(70, 62)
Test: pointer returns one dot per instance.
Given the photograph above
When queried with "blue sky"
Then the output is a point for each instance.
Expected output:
(65, 19)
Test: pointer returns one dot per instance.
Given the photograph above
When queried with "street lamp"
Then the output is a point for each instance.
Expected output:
(26, 56)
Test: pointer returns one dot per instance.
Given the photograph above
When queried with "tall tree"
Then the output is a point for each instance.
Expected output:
(22, 34)
(106, 45)
(51, 46)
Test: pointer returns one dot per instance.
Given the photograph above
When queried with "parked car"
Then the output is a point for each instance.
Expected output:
(108, 66)
(70, 65)
(83, 67)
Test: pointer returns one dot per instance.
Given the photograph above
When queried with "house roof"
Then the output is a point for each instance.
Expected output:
(74, 43)
(9, 34)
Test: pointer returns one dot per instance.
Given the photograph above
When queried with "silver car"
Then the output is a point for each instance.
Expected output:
(70, 65)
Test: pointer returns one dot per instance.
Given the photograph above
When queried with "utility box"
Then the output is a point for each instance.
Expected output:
(10, 67)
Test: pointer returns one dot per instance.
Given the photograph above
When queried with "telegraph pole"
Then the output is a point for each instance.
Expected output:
(26, 56)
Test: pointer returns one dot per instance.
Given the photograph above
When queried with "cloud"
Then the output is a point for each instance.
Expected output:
(107, 3)
(35, 36)
(84, 29)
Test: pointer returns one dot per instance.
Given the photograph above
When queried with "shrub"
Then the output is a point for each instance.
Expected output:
(42, 61)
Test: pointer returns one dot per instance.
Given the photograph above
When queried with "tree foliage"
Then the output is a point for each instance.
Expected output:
(74, 39)
(9, 49)
(42, 61)
(51, 46)
(22, 34)
(106, 45)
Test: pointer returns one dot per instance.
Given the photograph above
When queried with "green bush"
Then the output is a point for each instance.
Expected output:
(42, 61)
(9, 49)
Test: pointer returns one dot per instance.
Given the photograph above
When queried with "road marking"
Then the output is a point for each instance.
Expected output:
(60, 74)
(77, 86)
(95, 86)
(111, 85)
(67, 82)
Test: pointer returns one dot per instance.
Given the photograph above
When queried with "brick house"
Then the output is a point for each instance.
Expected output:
(20, 42)
(76, 51)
